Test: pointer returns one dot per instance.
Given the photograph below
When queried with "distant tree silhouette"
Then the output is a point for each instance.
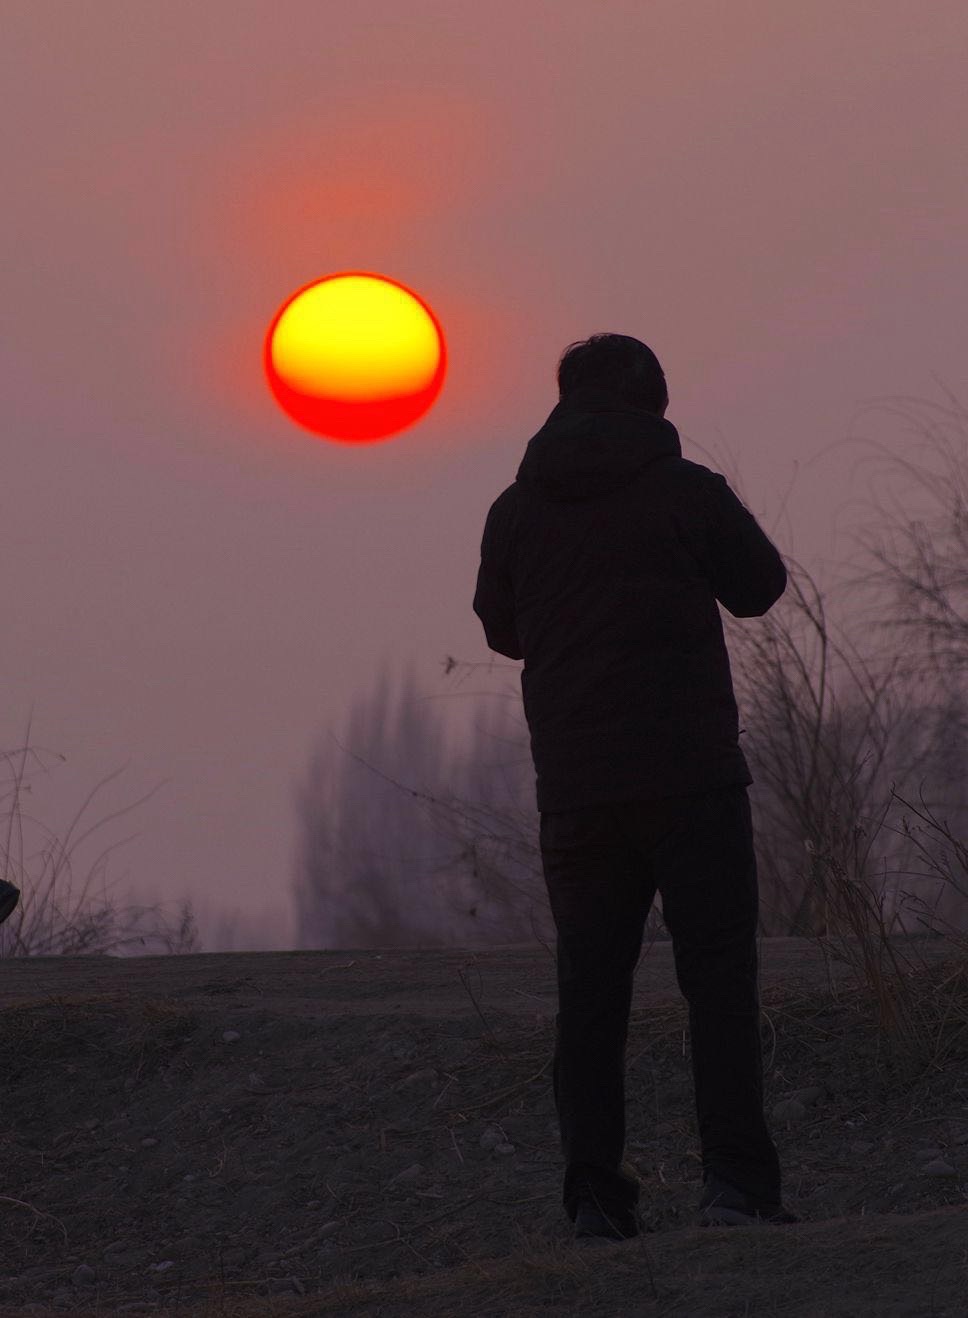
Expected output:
(394, 845)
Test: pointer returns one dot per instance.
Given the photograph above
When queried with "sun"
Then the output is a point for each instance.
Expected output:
(355, 357)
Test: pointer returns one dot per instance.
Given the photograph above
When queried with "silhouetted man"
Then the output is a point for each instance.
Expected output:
(600, 568)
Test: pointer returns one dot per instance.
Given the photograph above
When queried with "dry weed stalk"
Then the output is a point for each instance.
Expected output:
(41, 925)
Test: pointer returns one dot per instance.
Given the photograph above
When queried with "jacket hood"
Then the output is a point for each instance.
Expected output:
(593, 442)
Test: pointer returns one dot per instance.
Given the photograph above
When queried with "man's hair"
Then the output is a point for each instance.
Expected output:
(618, 362)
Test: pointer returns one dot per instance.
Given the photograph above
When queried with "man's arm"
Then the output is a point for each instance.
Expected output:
(743, 566)
(494, 598)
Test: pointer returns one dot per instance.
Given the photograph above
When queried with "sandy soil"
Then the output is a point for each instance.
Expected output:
(373, 1132)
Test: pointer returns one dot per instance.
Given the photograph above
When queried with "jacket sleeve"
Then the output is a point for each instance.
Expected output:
(742, 565)
(494, 598)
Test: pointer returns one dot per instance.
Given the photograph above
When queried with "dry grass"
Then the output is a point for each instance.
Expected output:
(50, 920)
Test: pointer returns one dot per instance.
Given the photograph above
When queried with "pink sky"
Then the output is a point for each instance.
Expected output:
(771, 196)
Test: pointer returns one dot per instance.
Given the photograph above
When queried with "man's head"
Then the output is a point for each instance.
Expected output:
(617, 362)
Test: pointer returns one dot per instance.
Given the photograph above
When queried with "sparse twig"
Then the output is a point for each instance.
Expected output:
(42, 924)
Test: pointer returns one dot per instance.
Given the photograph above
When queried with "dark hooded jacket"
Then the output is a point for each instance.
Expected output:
(600, 568)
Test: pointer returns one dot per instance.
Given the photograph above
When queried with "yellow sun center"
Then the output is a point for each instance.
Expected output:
(355, 338)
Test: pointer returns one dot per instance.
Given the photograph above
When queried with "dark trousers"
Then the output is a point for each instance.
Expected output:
(602, 866)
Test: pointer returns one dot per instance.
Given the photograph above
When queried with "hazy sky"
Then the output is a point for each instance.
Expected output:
(772, 196)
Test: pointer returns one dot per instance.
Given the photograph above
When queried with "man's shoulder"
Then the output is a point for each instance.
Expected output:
(679, 473)
(669, 463)
(691, 472)
(674, 477)
(692, 479)
(506, 500)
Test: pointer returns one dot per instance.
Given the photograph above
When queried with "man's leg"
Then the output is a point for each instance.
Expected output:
(600, 900)
(706, 872)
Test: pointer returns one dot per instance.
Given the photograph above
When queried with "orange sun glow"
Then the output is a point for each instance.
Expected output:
(355, 357)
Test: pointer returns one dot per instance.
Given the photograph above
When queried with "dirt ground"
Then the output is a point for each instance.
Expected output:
(373, 1132)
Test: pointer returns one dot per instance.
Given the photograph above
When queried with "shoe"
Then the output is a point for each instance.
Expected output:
(9, 896)
(723, 1204)
(593, 1224)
